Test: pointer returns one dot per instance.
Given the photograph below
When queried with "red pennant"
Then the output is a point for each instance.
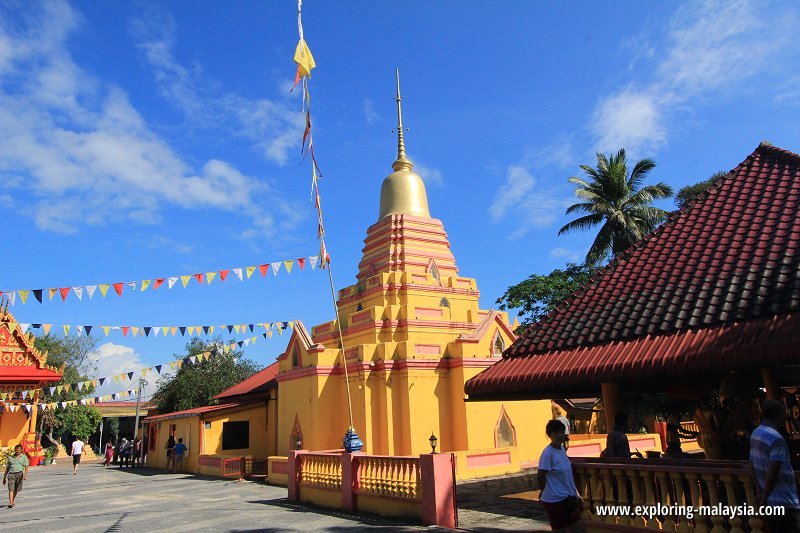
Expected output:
(118, 288)
(199, 278)
(157, 283)
(305, 133)
(64, 293)
(301, 261)
(296, 79)
(223, 274)
(264, 269)
(125, 330)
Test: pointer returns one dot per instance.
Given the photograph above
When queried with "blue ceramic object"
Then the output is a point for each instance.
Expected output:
(351, 442)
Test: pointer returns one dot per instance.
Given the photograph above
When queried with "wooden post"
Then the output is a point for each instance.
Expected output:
(611, 403)
(770, 383)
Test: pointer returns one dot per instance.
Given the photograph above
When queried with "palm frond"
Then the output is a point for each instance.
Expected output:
(585, 222)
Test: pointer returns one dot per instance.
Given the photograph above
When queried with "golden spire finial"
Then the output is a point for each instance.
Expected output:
(402, 162)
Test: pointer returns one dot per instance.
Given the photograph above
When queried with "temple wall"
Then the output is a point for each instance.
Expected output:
(13, 427)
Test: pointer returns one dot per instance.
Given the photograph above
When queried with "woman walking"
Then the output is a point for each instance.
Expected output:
(16, 472)
(109, 453)
(559, 494)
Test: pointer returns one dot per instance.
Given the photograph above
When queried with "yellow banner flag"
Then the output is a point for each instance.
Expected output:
(164, 330)
(145, 284)
(210, 330)
(134, 330)
(179, 362)
(66, 330)
(289, 264)
(173, 330)
(23, 295)
(116, 378)
(238, 328)
(46, 328)
(185, 280)
(304, 59)
(269, 333)
(106, 329)
(103, 288)
(226, 349)
(173, 364)
(52, 292)
(250, 271)
(210, 276)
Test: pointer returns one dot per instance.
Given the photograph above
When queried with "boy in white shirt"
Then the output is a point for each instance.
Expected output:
(77, 451)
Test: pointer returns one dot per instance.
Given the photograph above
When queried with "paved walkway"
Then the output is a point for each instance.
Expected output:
(109, 499)
(137, 500)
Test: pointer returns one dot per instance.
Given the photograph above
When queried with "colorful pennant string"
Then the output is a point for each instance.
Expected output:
(150, 331)
(204, 278)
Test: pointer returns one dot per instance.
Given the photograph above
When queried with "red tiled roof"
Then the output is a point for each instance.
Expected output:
(713, 289)
(260, 381)
(197, 411)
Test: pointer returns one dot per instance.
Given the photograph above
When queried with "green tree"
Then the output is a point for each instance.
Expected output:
(113, 427)
(196, 384)
(540, 294)
(81, 420)
(71, 355)
(691, 192)
(618, 200)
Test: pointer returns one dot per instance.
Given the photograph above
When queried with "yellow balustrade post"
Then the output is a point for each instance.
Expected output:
(718, 522)
(681, 498)
(608, 494)
(595, 491)
(636, 487)
(622, 494)
(650, 495)
(755, 522)
(584, 489)
(665, 491)
(730, 489)
(700, 522)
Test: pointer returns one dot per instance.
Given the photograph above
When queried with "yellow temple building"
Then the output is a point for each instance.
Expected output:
(413, 334)
(22, 369)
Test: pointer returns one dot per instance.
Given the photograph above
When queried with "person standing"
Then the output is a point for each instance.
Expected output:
(554, 477)
(170, 447)
(617, 444)
(124, 452)
(178, 452)
(77, 452)
(16, 472)
(109, 454)
(772, 468)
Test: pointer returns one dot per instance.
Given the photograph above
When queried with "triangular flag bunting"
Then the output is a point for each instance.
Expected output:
(106, 329)
(263, 269)
(289, 264)
(134, 330)
(199, 278)
(223, 274)
(238, 272)
(104, 289)
(64, 292)
(23, 295)
(46, 328)
(210, 276)
(78, 292)
(132, 285)
(250, 271)
(301, 261)
(164, 330)
(158, 369)
(37, 293)
(158, 282)
(145, 284)
(52, 292)
(90, 290)
(125, 330)
(185, 280)
(171, 281)
(118, 287)
(275, 267)
(313, 259)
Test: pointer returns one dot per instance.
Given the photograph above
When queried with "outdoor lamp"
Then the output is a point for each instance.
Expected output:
(433, 440)
(298, 441)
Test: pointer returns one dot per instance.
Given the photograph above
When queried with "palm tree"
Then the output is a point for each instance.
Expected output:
(618, 201)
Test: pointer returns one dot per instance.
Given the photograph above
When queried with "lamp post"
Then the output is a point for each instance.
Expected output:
(433, 440)
(298, 441)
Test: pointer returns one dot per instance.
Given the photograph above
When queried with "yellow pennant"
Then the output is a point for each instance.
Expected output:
(23, 295)
(210, 276)
(144, 371)
(164, 330)
(226, 349)
(173, 330)
(66, 387)
(173, 364)
(210, 330)
(269, 333)
(46, 328)
(116, 378)
(103, 289)
(250, 271)
(238, 328)
(52, 292)
(179, 362)
(289, 264)
(185, 280)
(190, 329)
(106, 330)
(145, 284)
(134, 330)
(304, 59)
(66, 330)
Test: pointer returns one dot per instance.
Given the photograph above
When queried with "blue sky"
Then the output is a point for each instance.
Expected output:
(150, 139)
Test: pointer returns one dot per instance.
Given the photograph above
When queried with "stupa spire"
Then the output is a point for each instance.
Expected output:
(402, 162)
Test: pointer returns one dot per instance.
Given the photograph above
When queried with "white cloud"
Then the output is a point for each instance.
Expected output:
(112, 359)
(369, 111)
(89, 156)
(272, 126)
(572, 256)
(532, 206)
(713, 47)
(630, 119)
(429, 175)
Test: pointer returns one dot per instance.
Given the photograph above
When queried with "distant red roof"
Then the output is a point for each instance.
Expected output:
(716, 288)
(258, 382)
(197, 411)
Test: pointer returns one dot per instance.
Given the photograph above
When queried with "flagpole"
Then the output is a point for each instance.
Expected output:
(136, 423)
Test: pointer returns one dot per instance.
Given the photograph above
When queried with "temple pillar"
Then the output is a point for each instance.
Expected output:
(612, 403)
(770, 383)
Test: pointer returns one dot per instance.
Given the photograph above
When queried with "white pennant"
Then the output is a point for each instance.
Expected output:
(80, 330)
(132, 285)
(90, 290)
(78, 292)
(12, 296)
(247, 342)
(171, 281)
(24, 327)
(156, 329)
(313, 259)
(238, 272)
(275, 267)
